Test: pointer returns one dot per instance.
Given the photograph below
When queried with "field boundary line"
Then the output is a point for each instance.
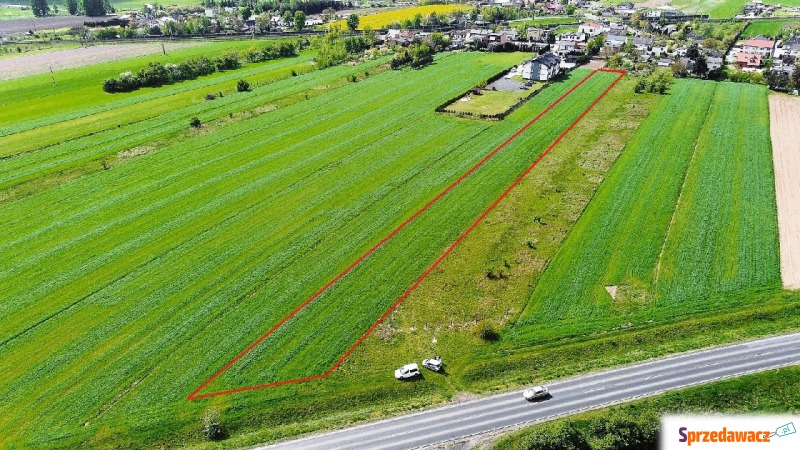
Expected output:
(195, 395)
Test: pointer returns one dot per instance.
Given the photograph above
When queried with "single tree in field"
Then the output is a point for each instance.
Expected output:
(299, 20)
(93, 7)
(352, 22)
(72, 6)
(40, 8)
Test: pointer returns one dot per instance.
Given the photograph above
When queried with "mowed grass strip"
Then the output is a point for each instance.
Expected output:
(134, 278)
(684, 222)
(618, 238)
(724, 234)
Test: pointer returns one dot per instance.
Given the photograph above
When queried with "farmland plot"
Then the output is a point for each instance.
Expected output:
(124, 289)
(703, 151)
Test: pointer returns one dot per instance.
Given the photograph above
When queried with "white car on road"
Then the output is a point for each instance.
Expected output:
(535, 393)
(407, 371)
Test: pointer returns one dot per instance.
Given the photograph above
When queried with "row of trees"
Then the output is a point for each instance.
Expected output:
(778, 80)
(280, 7)
(40, 8)
(616, 430)
(157, 74)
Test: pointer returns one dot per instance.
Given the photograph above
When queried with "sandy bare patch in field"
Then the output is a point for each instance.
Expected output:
(595, 64)
(64, 59)
(784, 113)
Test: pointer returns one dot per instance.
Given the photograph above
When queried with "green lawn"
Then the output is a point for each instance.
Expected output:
(11, 12)
(721, 9)
(769, 28)
(696, 190)
(544, 21)
(491, 102)
(137, 5)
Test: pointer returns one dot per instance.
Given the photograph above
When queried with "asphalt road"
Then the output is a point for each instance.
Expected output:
(568, 396)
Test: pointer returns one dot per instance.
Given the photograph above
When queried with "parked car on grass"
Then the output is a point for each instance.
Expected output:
(407, 371)
(434, 364)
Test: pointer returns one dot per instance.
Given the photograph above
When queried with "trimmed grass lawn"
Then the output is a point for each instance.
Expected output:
(769, 28)
(491, 102)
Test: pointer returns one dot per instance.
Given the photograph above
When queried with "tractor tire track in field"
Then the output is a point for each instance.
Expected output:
(196, 394)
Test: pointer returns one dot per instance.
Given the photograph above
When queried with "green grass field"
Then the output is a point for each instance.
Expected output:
(706, 149)
(12, 12)
(141, 255)
(769, 28)
(180, 212)
(544, 21)
(721, 9)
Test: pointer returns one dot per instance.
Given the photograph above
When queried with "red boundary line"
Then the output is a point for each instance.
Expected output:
(194, 395)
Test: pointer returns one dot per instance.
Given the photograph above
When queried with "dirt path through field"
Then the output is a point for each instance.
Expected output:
(784, 112)
(75, 57)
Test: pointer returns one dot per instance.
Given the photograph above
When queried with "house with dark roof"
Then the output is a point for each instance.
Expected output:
(542, 68)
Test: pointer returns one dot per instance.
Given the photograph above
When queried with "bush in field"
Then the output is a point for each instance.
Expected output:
(195, 122)
(559, 436)
(228, 61)
(415, 55)
(242, 86)
(487, 332)
(213, 429)
(106, 33)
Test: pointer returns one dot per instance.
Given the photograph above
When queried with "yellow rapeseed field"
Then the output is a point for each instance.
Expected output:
(382, 19)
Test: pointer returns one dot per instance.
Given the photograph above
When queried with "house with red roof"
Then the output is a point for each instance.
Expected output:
(748, 61)
(759, 46)
(590, 28)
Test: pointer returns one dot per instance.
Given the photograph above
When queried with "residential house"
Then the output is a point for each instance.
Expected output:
(616, 42)
(748, 61)
(759, 46)
(626, 5)
(480, 37)
(563, 48)
(537, 34)
(642, 44)
(543, 68)
(590, 28)
(659, 50)
(555, 8)
(714, 62)
(574, 37)
(664, 62)
(792, 46)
